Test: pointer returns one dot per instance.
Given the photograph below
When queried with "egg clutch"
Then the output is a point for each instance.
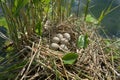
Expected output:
(60, 41)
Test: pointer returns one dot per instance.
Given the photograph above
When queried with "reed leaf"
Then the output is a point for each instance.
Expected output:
(86, 9)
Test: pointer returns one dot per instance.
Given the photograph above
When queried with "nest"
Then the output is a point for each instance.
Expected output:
(94, 62)
(67, 26)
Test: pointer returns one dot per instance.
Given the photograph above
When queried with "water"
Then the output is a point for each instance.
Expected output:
(3, 30)
(111, 22)
(1, 13)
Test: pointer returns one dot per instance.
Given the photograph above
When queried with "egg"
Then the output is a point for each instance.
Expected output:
(59, 35)
(67, 36)
(64, 41)
(63, 46)
(55, 40)
(54, 46)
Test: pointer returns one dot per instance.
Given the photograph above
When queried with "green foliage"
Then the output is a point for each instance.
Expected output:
(24, 16)
(18, 5)
(39, 28)
(106, 11)
(2, 0)
(70, 58)
(118, 67)
(91, 19)
(3, 22)
(16, 66)
(10, 64)
(10, 68)
(102, 15)
(1, 58)
(82, 41)
(86, 9)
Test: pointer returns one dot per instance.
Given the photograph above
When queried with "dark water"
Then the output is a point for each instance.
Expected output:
(1, 13)
(3, 30)
(111, 22)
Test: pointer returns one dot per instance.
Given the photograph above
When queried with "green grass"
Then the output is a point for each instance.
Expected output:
(3, 22)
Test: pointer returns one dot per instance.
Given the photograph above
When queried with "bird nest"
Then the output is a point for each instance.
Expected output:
(94, 62)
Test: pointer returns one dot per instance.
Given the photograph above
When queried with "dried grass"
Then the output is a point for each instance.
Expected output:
(94, 62)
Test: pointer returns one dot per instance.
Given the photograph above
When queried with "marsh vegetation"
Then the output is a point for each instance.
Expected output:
(45, 41)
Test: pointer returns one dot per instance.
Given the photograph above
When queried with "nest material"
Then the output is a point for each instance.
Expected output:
(67, 26)
(93, 62)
